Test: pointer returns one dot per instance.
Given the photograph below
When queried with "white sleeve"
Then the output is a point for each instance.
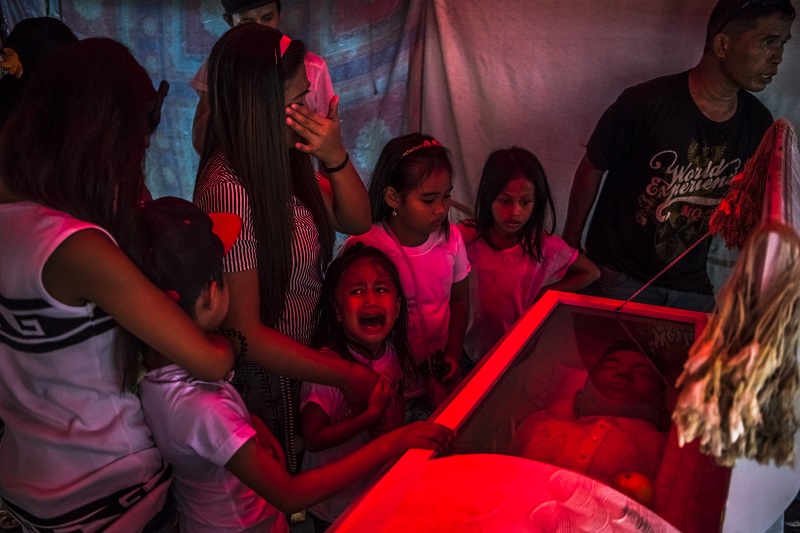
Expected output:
(215, 426)
(461, 266)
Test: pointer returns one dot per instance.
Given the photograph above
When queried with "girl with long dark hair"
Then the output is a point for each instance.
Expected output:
(255, 163)
(76, 452)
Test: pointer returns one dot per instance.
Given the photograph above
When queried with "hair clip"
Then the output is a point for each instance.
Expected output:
(282, 47)
(425, 144)
(285, 42)
(10, 63)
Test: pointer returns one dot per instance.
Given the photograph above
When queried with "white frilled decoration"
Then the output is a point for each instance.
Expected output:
(740, 381)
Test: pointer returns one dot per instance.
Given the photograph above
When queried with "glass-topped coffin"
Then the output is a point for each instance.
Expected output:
(565, 424)
(584, 378)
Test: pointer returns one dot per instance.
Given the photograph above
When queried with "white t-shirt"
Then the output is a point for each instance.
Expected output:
(427, 278)
(332, 401)
(504, 283)
(198, 426)
(71, 436)
(320, 91)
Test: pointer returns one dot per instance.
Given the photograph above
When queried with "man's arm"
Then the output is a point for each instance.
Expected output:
(584, 190)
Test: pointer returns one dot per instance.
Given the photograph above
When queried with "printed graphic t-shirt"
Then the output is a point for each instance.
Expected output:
(668, 168)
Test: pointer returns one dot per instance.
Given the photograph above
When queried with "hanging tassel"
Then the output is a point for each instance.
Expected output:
(741, 379)
(740, 211)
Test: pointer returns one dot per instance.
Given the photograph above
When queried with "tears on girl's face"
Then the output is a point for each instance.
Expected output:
(512, 208)
(367, 304)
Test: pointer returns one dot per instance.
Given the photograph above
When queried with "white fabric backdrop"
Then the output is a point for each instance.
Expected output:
(539, 74)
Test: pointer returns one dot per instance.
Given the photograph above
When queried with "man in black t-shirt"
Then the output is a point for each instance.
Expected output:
(669, 148)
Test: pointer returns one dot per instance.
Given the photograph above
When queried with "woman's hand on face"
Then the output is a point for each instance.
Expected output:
(321, 136)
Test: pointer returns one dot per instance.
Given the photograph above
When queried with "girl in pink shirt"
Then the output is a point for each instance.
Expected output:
(514, 255)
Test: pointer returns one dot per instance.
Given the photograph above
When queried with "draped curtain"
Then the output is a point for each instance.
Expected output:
(372, 47)
(477, 75)
(540, 73)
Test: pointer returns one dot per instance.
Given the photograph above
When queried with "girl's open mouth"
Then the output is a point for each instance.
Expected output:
(372, 321)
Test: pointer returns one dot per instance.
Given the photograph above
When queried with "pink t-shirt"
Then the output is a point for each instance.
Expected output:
(320, 92)
(504, 283)
(332, 401)
(427, 277)
(427, 273)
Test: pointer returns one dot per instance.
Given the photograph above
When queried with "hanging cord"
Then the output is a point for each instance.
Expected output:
(689, 249)
(649, 353)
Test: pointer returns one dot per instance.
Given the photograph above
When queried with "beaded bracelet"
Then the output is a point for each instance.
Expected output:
(236, 334)
(339, 167)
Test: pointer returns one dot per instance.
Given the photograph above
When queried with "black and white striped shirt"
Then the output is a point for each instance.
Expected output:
(222, 192)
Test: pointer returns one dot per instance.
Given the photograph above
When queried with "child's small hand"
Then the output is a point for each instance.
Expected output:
(424, 435)
(379, 398)
(454, 371)
(362, 380)
(440, 389)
